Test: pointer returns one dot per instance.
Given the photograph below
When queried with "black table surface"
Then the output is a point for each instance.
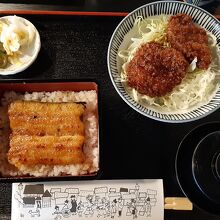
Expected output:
(132, 146)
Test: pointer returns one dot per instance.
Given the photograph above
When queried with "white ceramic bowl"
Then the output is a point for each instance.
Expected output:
(119, 42)
(29, 54)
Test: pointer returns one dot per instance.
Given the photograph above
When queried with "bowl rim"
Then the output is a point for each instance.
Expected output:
(33, 58)
(177, 174)
(194, 153)
(118, 90)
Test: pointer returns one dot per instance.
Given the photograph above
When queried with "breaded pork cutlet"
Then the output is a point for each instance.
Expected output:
(189, 39)
(155, 71)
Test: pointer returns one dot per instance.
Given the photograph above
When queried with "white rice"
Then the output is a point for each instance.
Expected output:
(91, 145)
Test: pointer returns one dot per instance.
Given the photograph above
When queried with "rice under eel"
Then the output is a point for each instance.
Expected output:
(46, 133)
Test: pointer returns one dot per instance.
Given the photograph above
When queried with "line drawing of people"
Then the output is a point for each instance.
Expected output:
(133, 208)
(89, 198)
(142, 210)
(128, 211)
(80, 209)
(73, 204)
(148, 207)
(65, 205)
(65, 210)
(38, 204)
(102, 208)
(120, 206)
(134, 211)
(57, 213)
(96, 201)
(57, 209)
(113, 208)
(107, 207)
(89, 207)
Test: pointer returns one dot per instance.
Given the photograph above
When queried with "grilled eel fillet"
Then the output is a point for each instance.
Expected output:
(46, 133)
(39, 118)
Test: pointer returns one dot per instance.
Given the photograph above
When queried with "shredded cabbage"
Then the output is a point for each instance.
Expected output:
(196, 89)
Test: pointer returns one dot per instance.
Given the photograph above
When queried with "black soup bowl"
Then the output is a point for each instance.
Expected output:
(198, 167)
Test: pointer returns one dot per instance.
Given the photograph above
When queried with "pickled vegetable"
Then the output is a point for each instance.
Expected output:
(3, 60)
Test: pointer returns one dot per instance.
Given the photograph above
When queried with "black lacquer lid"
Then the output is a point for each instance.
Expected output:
(198, 167)
(206, 166)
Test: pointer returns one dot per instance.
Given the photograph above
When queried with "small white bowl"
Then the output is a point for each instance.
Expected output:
(29, 54)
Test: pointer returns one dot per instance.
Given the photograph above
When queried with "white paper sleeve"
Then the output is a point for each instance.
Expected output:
(92, 200)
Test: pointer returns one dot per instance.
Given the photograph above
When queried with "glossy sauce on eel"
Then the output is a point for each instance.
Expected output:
(46, 133)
